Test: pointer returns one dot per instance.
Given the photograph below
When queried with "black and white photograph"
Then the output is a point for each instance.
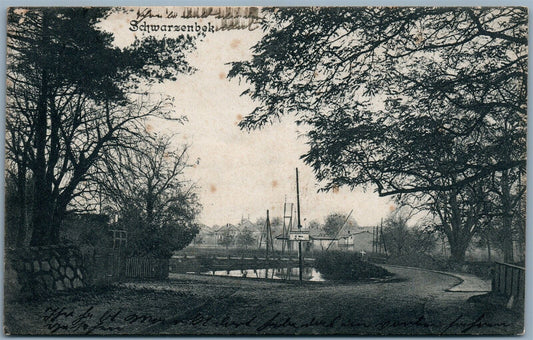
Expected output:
(260, 171)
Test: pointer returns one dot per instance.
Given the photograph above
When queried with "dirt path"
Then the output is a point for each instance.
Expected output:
(415, 303)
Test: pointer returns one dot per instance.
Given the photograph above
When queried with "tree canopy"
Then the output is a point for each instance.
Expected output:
(334, 222)
(71, 95)
(386, 90)
(417, 101)
(146, 188)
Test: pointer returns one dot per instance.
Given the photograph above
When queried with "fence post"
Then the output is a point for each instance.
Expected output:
(509, 280)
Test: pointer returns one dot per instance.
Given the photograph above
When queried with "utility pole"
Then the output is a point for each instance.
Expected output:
(383, 238)
(268, 240)
(300, 260)
(374, 240)
(288, 209)
(339, 231)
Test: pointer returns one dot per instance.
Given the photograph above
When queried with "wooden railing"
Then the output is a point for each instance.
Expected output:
(509, 280)
(146, 268)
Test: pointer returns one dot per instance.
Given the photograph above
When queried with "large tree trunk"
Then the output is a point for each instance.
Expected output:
(458, 251)
(458, 244)
(42, 205)
(507, 220)
(21, 206)
(42, 200)
(150, 206)
(459, 235)
(488, 250)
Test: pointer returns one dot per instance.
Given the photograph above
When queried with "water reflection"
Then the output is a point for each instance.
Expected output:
(309, 274)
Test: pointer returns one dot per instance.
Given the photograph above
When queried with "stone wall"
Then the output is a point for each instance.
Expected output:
(38, 270)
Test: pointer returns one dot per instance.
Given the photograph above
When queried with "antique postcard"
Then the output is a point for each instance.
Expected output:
(265, 171)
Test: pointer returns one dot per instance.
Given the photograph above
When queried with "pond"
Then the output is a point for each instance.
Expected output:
(309, 273)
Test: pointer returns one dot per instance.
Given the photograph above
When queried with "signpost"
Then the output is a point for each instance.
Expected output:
(301, 235)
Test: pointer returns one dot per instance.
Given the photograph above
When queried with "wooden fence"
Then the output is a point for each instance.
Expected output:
(509, 280)
(146, 268)
(107, 265)
(104, 265)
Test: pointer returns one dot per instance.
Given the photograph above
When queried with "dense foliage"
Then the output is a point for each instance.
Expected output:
(337, 265)
(72, 95)
(246, 238)
(421, 101)
(335, 222)
(146, 189)
(156, 240)
(403, 240)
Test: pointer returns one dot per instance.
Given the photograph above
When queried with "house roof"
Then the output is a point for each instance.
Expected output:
(322, 238)
(226, 227)
(247, 224)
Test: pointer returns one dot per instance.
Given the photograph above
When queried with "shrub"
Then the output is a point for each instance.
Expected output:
(338, 265)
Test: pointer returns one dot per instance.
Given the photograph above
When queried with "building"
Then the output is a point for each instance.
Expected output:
(352, 238)
(228, 231)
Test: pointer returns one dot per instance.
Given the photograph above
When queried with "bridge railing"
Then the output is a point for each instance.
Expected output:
(509, 280)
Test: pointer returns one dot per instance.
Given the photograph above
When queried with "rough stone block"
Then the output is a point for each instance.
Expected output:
(80, 274)
(67, 283)
(54, 263)
(45, 266)
(39, 279)
(49, 282)
(39, 285)
(69, 273)
(60, 285)
(27, 266)
(62, 270)
(72, 262)
(36, 266)
(77, 283)
(55, 274)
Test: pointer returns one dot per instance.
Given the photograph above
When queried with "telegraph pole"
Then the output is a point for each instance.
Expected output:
(267, 232)
(300, 260)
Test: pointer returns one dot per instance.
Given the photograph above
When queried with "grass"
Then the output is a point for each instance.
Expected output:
(480, 269)
(338, 265)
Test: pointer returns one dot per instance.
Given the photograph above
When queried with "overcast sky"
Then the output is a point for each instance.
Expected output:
(243, 174)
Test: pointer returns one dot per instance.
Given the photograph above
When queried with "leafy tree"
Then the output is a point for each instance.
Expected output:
(199, 239)
(86, 229)
(147, 189)
(276, 221)
(458, 214)
(490, 238)
(71, 97)
(407, 100)
(404, 240)
(476, 209)
(505, 220)
(151, 240)
(227, 238)
(314, 225)
(333, 223)
(276, 224)
(246, 238)
(16, 219)
(507, 195)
